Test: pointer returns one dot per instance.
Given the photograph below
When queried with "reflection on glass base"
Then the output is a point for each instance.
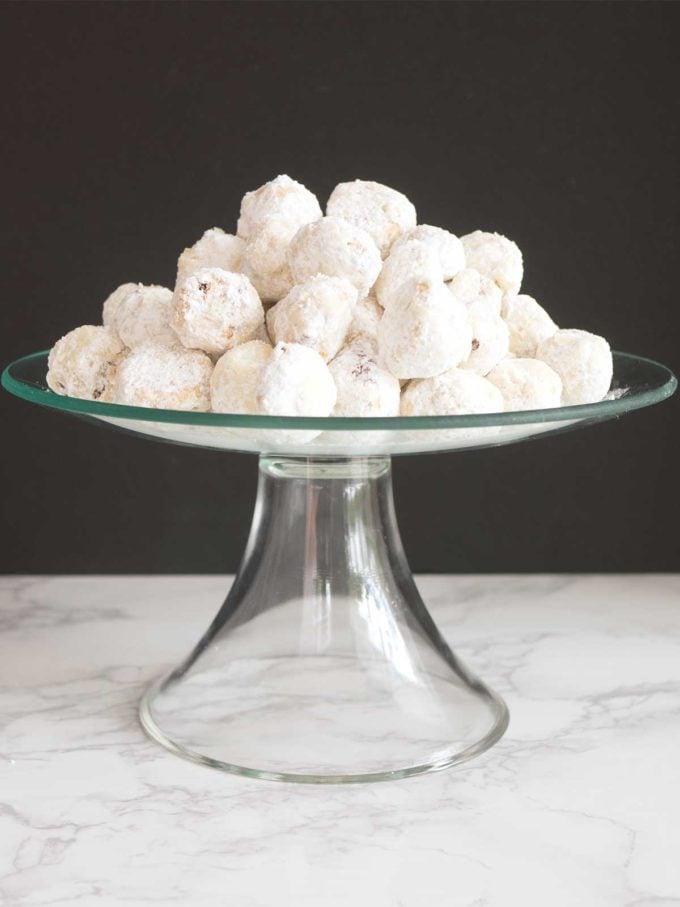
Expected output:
(323, 664)
(322, 719)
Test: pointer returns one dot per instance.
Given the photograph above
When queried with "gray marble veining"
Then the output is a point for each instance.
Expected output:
(579, 804)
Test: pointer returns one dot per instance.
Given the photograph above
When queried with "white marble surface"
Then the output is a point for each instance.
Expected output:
(579, 804)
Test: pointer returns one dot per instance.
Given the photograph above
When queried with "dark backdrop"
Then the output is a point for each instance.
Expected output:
(130, 128)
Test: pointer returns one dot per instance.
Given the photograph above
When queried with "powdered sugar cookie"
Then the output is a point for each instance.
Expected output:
(526, 384)
(583, 361)
(83, 362)
(235, 381)
(316, 313)
(447, 247)
(424, 331)
(528, 322)
(163, 378)
(336, 248)
(496, 257)
(214, 310)
(382, 212)
(215, 249)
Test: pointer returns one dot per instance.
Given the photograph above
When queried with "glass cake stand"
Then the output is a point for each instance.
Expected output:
(323, 664)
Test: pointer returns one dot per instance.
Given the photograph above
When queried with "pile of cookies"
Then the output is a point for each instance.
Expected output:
(361, 312)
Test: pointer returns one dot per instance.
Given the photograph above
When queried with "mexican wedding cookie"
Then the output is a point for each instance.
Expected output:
(215, 249)
(456, 392)
(295, 381)
(479, 293)
(363, 328)
(447, 247)
(382, 212)
(490, 341)
(316, 313)
(270, 218)
(143, 316)
(528, 322)
(526, 384)
(235, 381)
(164, 378)
(496, 257)
(584, 363)
(363, 387)
(409, 261)
(83, 362)
(424, 331)
(337, 248)
(214, 310)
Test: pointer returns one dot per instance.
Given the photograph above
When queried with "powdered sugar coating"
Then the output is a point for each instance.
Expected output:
(143, 316)
(424, 331)
(363, 328)
(408, 261)
(112, 302)
(235, 381)
(456, 392)
(490, 340)
(528, 322)
(215, 249)
(316, 313)
(526, 384)
(381, 211)
(363, 387)
(495, 256)
(296, 382)
(479, 293)
(335, 247)
(282, 199)
(83, 362)
(447, 247)
(265, 260)
(214, 310)
(163, 378)
(583, 361)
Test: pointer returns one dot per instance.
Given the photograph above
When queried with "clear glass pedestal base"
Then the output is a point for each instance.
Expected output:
(323, 664)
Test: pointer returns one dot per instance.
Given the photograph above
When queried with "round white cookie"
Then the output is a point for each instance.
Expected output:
(316, 313)
(447, 247)
(337, 248)
(583, 361)
(363, 328)
(265, 261)
(496, 257)
(295, 381)
(215, 249)
(478, 292)
(112, 302)
(282, 199)
(526, 384)
(214, 310)
(143, 316)
(235, 381)
(163, 378)
(82, 363)
(424, 331)
(456, 392)
(490, 340)
(528, 322)
(363, 387)
(409, 261)
(382, 212)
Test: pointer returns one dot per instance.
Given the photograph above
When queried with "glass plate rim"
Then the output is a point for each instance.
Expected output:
(603, 409)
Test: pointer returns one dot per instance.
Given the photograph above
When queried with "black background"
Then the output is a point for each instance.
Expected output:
(130, 128)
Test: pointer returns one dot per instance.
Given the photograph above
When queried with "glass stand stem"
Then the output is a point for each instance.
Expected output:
(323, 664)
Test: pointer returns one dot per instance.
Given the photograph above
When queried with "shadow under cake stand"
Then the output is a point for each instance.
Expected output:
(323, 664)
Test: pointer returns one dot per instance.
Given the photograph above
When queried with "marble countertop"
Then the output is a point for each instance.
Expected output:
(579, 804)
